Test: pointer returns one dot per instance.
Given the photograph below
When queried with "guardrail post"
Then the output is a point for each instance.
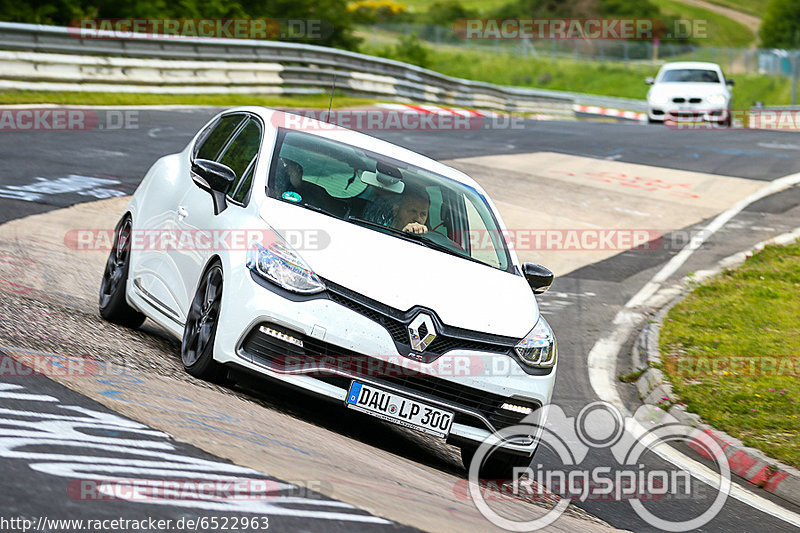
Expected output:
(795, 57)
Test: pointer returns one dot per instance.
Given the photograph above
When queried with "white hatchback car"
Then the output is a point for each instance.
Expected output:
(343, 265)
(690, 91)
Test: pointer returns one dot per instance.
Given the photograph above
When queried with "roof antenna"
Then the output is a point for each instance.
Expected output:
(330, 103)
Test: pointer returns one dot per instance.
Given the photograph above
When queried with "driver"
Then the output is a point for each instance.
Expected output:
(411, 212)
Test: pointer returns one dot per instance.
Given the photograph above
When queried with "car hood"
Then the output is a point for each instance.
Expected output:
(701, 90)
(403, 274)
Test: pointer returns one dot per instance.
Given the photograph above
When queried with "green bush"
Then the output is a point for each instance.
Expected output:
(780, 27)
(409, 49)
(61, 12)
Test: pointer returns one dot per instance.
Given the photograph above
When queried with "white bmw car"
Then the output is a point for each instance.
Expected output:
(690, 91)
(343, 265)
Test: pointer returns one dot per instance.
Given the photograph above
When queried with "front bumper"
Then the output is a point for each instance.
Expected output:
(689, 114)
(342, 341)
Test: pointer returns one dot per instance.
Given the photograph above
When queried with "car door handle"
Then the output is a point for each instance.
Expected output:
(182, 212)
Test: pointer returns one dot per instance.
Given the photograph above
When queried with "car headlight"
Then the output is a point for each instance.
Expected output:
(717, 99)
(538, 348)
(280, 264)
(658, 99)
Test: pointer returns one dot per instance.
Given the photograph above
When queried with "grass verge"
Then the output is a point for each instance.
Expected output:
(594, 77)
(732, 351)
(217, 100)
(720, 30)
(753, 7)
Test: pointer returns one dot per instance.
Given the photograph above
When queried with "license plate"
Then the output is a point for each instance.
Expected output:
(399, 410)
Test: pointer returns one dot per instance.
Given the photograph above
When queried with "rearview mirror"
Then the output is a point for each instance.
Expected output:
(649, 80)
(730, 82)
(215, 178)
(539, 278)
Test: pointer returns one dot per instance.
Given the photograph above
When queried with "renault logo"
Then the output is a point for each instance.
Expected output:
(421, 332)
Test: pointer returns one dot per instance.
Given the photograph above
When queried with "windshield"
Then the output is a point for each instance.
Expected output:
(692, 75)
(383, 194)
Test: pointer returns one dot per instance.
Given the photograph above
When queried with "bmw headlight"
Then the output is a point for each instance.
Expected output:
(658, 98)
(716, 99)
(538, 348)
(280, 264)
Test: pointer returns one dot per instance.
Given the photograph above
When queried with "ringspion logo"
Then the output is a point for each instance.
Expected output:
(625, 476)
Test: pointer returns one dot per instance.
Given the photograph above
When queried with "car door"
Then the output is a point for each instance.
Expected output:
(206, 232)
(156, 276)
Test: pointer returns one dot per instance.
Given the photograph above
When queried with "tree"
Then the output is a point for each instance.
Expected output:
(326, 22)
(780, 27)
(446, 12)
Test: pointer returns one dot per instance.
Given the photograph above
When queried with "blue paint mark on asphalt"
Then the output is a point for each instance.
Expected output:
(198, 424)
(736, 151)
(259, 436)
(117, 395)
(149, 390)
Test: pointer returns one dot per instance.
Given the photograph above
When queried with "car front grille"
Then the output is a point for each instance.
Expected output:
(396, 323)
(319, 359)
(682, 100)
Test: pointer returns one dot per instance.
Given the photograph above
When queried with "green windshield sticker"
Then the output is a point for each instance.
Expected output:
(292, 196)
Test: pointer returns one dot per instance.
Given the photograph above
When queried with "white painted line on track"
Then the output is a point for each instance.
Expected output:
(602, 358)
(723, 218)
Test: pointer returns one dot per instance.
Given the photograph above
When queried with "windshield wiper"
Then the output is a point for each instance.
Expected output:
(377, 225)
(317, 209)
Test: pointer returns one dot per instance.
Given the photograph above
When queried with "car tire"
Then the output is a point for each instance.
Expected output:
(197, 346)
(499, 465)
(112, 303)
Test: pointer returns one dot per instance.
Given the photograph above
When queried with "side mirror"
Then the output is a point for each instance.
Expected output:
(215, 178)
(730, 82)
(649, 80)
(539, 278)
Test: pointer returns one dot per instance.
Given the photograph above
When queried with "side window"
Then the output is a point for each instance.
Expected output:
(241, 151)
(214, 141)
(484, 247)
(435, 212)
(334, 175)
(244, 187)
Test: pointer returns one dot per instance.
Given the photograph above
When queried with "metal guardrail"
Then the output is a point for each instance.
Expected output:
(48, 57)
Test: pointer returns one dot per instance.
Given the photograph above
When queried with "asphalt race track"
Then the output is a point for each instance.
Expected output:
(47, 171)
